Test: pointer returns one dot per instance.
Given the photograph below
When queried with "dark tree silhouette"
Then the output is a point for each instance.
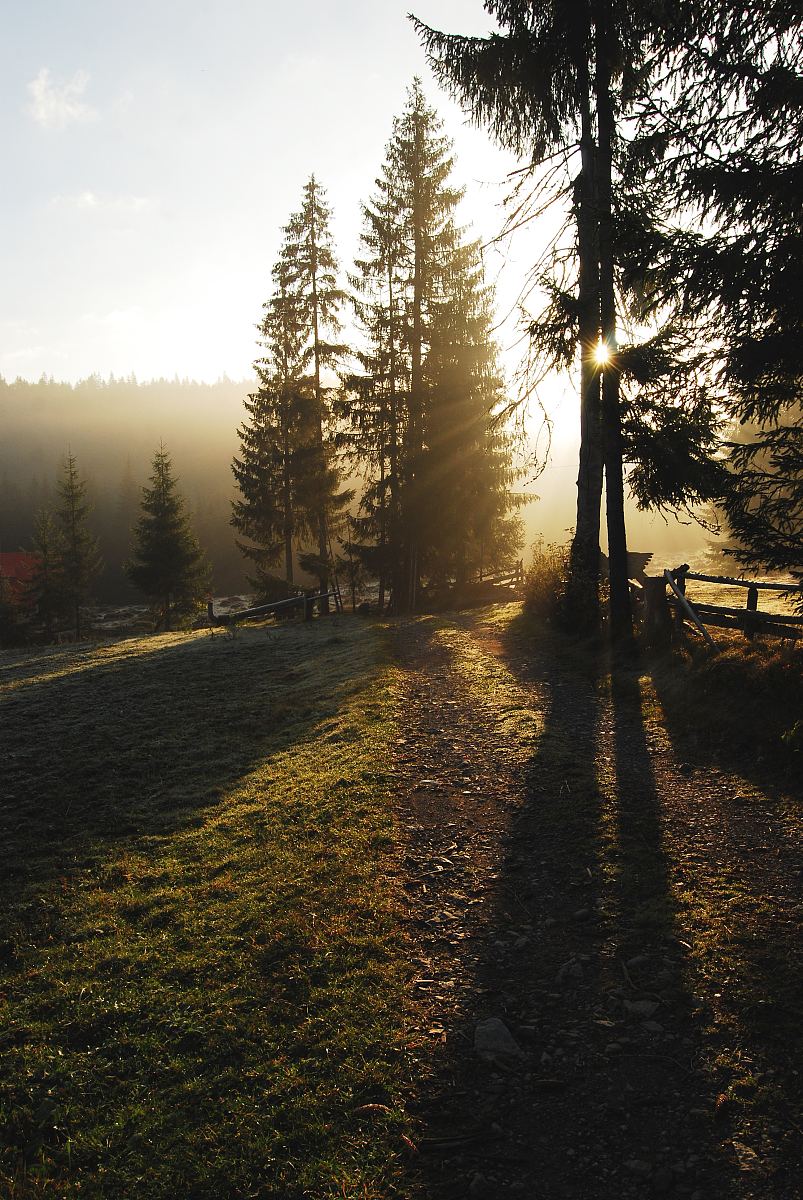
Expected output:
(45, 588)
(78, 557)
(281, 424)
(715, 175)
(554, 85)
(166, 561)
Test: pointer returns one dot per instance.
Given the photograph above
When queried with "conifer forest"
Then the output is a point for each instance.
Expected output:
(401, 601)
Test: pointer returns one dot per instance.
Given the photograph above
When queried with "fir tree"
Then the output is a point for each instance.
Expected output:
(423, 408)
(79, 561)
(308, 268)
(269, 471)
(377, 399)
(554, 85)
(45, 589)
(166, 562)
(420, 163)
(466, 466)
(715, 175)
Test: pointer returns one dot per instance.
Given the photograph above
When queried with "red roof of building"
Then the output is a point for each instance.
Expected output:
(18, 566)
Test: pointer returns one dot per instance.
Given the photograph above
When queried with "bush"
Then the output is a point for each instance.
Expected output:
(545, 581)
(746, 696)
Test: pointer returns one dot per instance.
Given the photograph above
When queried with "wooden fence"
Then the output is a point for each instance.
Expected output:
(513, 578)
(701, 613)
(305, 602)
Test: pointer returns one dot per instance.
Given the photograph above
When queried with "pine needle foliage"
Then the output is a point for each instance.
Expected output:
(715, 173)
(421, 415)
(291, 497)
(166, 563)
(44, 589)
(78, 556)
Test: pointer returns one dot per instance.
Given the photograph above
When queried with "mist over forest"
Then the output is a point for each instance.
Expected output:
(114, 425)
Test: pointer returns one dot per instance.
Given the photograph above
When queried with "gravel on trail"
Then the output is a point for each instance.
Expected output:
(597, 922)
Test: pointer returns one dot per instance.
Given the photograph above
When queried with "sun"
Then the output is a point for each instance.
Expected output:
(602, 354)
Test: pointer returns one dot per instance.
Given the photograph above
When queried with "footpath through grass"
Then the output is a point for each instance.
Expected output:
(200, 976)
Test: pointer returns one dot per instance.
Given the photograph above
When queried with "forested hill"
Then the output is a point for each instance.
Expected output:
(113, 427)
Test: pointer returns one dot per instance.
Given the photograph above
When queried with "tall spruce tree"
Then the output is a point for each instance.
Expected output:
(309, 269)
(426, 400)
(287, 473)
(466, 472)
(553, 86)
(281, 424)
(715, 174)
(378, 396)
(78, 556)
(166, 563)
(420, 162)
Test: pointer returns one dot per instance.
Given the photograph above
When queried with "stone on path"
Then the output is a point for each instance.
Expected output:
(494, 1042)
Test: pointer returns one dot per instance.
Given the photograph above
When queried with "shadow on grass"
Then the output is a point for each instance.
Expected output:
(140, 744)
(724, 714)
(580, 958)
(201, 1015)
(730, 709)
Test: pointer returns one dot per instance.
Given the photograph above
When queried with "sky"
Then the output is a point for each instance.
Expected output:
(153, 151)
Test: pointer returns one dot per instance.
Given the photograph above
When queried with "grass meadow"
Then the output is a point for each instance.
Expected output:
(200, 981)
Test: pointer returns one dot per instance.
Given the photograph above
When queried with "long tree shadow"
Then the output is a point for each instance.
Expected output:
(140, 745)
(164, 973)
(578, 954)
(741, 841)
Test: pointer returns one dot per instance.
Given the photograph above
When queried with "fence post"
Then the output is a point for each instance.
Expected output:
(309, 604)
(750, 627)
(679, 576)
(658, 620)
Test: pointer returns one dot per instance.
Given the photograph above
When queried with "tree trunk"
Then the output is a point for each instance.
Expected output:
(583, 585)
(323, 546)
(287, 504)
(416, 387)
(396, 579)
(620, 610)
(382, 512)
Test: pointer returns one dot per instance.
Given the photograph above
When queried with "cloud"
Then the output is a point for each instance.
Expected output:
(52, 106)
(115, 318)
(89, 201)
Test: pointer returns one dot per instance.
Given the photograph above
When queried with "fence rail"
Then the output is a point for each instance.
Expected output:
(703, 613)
(266, 610)
(759, 584)
(511, 578)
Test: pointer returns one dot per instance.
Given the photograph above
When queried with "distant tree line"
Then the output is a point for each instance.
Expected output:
(413, 410)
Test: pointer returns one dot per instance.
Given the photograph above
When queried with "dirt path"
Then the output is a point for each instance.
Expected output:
(627, 913)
